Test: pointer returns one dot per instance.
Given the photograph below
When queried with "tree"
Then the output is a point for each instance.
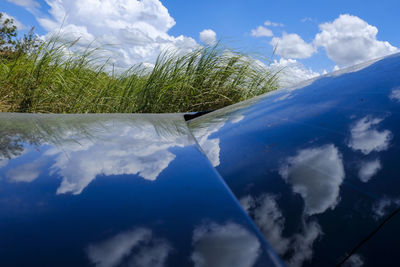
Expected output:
(10, 45)
(8, 34)
(28, 43)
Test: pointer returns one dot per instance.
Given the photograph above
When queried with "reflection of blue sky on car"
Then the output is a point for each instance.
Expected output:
(118, 148)
(140, 247)
(314, 166)
(116, 190)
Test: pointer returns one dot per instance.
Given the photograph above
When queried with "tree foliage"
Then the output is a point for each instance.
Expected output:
(10, 44)
(8, 34)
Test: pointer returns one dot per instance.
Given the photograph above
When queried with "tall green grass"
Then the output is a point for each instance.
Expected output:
(51, 80)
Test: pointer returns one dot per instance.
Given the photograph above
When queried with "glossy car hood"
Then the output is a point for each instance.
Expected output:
(116, 190)
(317, 166)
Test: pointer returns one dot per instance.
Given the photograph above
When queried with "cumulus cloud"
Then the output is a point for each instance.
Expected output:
(25, 173)
(17, 23)
(395, 95)
(261, 31)
(292, 46)
(316, 174)
(133, 31)
(121, 148)
(265, 212)
(119, 250)
(209, 37)
(238, 245)
(291, 71)
(368, 169)
(349, 40)
(365, 138)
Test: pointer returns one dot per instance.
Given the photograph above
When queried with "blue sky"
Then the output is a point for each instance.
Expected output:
(311, 36)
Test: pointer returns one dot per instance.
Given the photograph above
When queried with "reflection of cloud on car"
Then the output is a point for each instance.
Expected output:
(316, 174)
(138, 247)
(306, 175)
(239, 247)
(315, 163)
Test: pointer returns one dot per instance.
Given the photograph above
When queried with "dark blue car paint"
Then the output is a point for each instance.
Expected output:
(317, 166)
(314, 166)
(116, 190)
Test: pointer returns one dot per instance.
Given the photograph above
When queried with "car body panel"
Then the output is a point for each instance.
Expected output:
(116, 190)
(316, 166)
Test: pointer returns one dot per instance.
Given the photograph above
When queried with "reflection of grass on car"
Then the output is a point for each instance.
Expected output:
(62, 129)
(49, 80)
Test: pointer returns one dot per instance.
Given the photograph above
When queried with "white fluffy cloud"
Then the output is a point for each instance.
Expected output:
(349, 40)
(118, 250)
(238, 245)
(365, 138)
(139, 149)
(316, 174)
(291, 72)
(136, 145)
(133, 31)
(261, 31)
(368, 169)
(209, 37)
(292, 46)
